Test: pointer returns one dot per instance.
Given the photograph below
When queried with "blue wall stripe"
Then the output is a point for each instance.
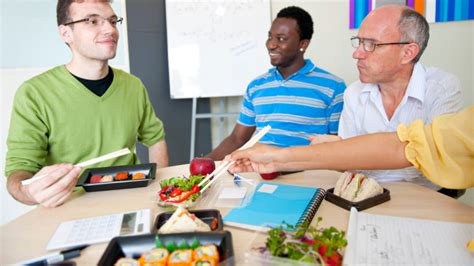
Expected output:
(360, 11)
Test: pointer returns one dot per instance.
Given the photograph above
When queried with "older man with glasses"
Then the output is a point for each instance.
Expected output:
(394, 88)
(78, 111)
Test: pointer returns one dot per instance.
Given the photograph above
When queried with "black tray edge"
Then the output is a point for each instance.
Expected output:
(220, 222)
(94, 187)
(361, 205)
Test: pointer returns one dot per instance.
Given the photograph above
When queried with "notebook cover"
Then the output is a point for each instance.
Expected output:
(290, 204)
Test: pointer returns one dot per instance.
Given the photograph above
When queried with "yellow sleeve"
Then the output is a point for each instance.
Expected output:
(444, 150)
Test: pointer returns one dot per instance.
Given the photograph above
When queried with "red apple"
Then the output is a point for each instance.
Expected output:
(270, 176)
(201, 166)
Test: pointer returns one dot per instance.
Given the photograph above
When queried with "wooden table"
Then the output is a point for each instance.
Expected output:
(27, 236)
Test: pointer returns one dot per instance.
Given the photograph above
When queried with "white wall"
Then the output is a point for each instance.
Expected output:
(27, 49)
(450, 48)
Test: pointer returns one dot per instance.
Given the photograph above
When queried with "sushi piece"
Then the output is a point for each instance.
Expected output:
(204, 262)
(156, 256)
(126, 262)
(209, 252)
(181, 257)
(96, 178)
(121, 176)
(107, 178)
(138, 176)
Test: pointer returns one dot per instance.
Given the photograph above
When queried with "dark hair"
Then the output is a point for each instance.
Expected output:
(62, 10)
(413, 27)
(303, 19)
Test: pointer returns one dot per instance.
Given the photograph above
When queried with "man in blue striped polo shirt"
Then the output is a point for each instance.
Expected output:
(296, 98)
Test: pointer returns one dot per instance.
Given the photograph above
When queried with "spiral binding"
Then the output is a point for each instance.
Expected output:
(313, 206)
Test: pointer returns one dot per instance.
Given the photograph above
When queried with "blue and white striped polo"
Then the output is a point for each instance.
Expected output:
(308, 102)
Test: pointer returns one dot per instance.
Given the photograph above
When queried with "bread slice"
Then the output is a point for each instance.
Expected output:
(369, 188)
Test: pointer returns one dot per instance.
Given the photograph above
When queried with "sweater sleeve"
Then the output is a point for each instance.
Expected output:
(27, 140)
(444, 150)
(151, 127)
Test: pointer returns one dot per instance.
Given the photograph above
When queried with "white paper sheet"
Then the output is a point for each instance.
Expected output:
(388, 240)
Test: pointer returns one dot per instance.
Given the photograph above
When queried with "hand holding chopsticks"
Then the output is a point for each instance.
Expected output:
(225, 165)
(86, 163)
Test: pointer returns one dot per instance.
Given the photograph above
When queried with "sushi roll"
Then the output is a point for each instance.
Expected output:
(121, 176)
(138, 176)
(204, 262)
(107, 178)
(96, 178)
(183, 257)
(209, 252)
(156, 257)
(126, 262)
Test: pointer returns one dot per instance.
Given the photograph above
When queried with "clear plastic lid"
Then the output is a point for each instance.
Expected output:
(228, 192)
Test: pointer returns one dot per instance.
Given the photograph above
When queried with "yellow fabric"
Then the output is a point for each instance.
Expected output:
(444, 150)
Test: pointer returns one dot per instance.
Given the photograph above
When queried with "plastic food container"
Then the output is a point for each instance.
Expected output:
(229, 193)
(207, 216)
(149, 171)
(134, 246)
(254, 256)
(361, 205)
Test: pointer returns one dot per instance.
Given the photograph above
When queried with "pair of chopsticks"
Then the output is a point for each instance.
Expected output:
(102, 158)
(224, 166)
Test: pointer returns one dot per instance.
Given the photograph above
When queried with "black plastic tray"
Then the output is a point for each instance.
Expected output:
(134, 246)
(84, 179)
(361, 205)
(205, 215)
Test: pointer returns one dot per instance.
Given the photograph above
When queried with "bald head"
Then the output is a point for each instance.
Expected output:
(401, 21)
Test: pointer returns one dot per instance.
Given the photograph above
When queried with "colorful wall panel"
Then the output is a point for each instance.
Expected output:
(433, 10)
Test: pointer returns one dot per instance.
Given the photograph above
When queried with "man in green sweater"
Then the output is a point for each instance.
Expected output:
(78, 111)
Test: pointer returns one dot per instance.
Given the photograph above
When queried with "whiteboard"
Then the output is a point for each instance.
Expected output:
(216, 47)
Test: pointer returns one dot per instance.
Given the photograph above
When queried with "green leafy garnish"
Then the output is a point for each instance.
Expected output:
(195, 244)
(183, 245)
(171, 246)
(182, 182)
(158, 243)
(307, 243)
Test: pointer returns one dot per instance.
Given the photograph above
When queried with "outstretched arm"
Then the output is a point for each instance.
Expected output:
(375, 151)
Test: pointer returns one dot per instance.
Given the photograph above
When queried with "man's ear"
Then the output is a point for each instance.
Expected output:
(304, 44)
(409, 52)
(65, 33)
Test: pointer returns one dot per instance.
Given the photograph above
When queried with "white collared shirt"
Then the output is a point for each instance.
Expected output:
(431, 92)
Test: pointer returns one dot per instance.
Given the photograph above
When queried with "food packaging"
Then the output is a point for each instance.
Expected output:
(229, 193)
(361, 205)
(134, 246)
(148, 169)
(207, 216)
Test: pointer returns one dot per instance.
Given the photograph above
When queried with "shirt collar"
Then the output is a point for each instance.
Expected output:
(416, 85)
(307, 68)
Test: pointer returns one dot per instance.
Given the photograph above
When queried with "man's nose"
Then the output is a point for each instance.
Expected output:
(359, 52)
(271, 44)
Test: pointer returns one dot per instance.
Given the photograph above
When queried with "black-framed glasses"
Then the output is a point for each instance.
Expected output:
(370, 45)
(96, 20)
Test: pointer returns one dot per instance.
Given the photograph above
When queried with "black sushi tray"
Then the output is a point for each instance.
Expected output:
(148, 169)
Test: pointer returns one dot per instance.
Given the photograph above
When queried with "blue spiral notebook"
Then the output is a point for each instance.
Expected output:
(273, 204)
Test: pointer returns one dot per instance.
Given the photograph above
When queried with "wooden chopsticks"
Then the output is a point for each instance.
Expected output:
(224, 166)
(102, 158)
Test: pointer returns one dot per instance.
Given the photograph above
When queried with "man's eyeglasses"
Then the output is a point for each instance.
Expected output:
(97, 20)
(370, 45)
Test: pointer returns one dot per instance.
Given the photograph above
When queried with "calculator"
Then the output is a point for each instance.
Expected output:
(100, 229)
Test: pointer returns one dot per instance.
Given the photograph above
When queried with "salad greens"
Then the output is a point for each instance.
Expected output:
(182, 182)
(307, 243)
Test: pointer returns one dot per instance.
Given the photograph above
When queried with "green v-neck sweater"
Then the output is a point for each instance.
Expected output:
(56, 119)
